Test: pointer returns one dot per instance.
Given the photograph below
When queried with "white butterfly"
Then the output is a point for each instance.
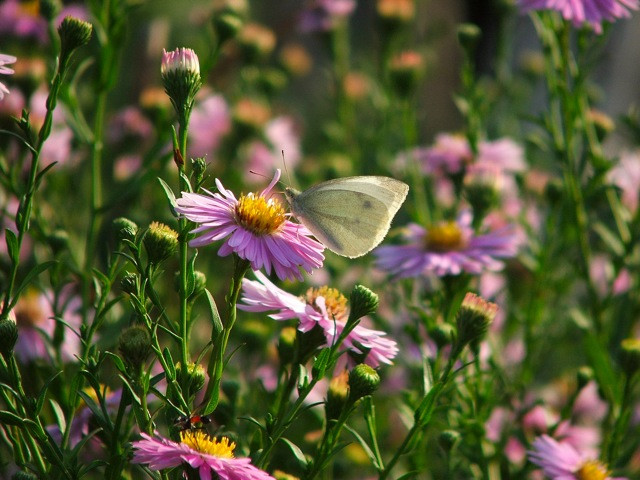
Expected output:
(350, 216)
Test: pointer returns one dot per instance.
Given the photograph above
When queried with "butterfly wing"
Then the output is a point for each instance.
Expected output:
(350, 216)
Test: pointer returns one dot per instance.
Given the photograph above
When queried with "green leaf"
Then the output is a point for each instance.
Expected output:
(59, 414)
(609, 238)
(33, 273)
(8, 418)
(215, 316)
(43, 393)
(321, 363)
(117, 362)
(427, 375)
(191, 266)
(599, 360)
(42, 173)
(255, 422)
(365, 447)
(171, 198)
(296, 451)
(12, 245)
(171, 374)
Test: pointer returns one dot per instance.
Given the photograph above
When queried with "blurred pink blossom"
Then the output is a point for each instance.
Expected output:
(23, 19)
(210, 121)
(626, 176)
(324, 15)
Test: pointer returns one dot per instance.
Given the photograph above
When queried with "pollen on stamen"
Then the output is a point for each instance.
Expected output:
(259, 215)
(204, 443)
(444, 237)
(335, 302)
(593, 470)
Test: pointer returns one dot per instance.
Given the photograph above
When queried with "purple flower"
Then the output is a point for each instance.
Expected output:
(324, 307)
(4, 70)
(210, 457)
(23, 19)
(626, 176)
(324, 15)
(256, 229)
(449, 154)
(37, 324)
(593, 12)
(503, 154)
(561, 461)
(448, 248)
(210, 121)
(281, 136)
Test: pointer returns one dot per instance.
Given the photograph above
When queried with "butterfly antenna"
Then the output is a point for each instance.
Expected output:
(259, 174)
(284, 162)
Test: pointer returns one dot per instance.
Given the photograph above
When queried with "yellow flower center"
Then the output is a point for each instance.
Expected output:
(30, 7)
(259, 215)
(336, 302)
(203, 443)
(592, 470)
(29, 311)
(444, 237)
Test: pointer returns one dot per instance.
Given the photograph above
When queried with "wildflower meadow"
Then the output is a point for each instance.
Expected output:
(320, 239)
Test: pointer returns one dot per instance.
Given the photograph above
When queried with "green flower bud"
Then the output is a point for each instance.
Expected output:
(8, 335)
(199, 167)
(630, 355)
(50, 9)
(362, 302)
(199, 283)
(468, 35)
(227, 25)
(135, 346)
(287, 345)
(443, 334)
(160, 241)
(363, 381)
(58, 240)
(196, 375)
(73, 33)
(256, 41)
(405, 72)
(181, 78)
(125, 229)
(585, 375)
(448, 439)
(129, 283)
(337, 395)
(473, 319)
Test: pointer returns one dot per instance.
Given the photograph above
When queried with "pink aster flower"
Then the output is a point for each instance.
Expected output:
(626, 176)
(23, 19)
(324, 307)
(504, 154)
(561, 461)
(256, 229)
(593, 12)
(4, 70)
(210, 122)
(324, 15)
(210, 457)
(449, 154)
(37, 324)
(281, 136)
(448, 248)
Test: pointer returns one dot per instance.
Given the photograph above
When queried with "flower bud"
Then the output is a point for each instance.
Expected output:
(405, 71)
(135, 346)
(50, 9)
(129, 283)
(287, 345)
(448, 439)
(199, 283)
(199, 167)
(363, 381)
(630, 355)
(181, 78)
(58, 240)
(125, 229)
(362, 302)
(73, 33)
(473, 319)
(250, 116)
(443, 334)
(228, 19)
(196, 375)
(337, 395)
(256, 41)
(295, 60)
(468, 36)
(160, 241)
(585, 375)
(8, 334)
(482, 185)
(394, 14)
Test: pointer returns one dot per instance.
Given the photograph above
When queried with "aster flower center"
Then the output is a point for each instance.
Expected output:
(335, 302)
(592, 470)
(31, 8)
(204, 443)
(259, 215)
(28, 310)
(444, 236)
